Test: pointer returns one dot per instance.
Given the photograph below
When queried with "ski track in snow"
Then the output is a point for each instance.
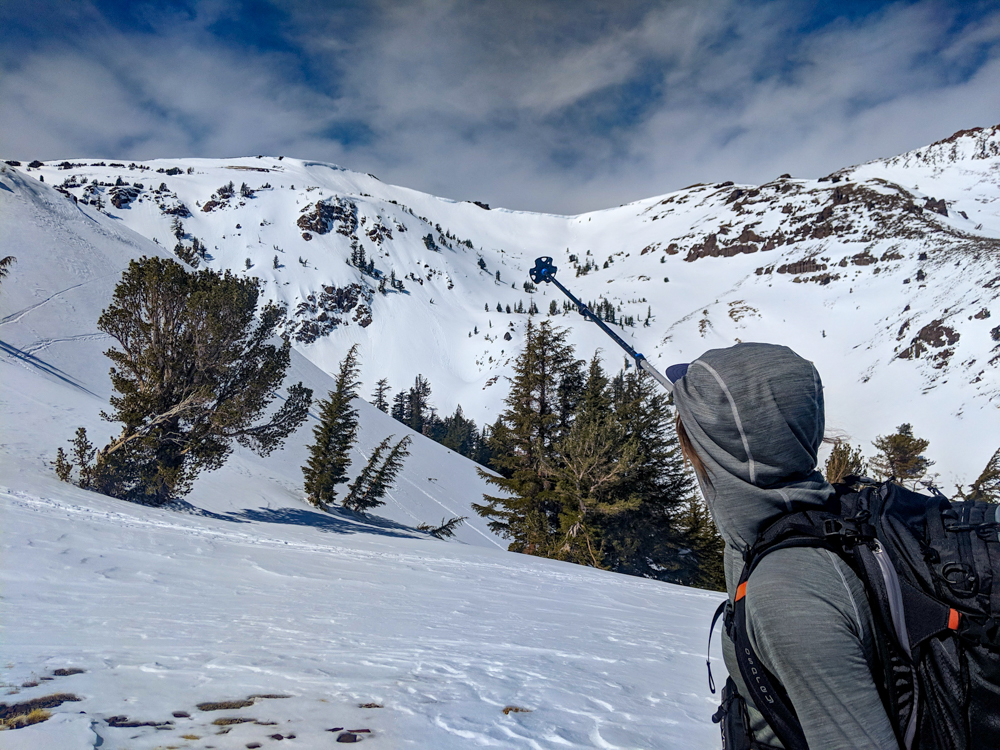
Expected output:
(16, 317)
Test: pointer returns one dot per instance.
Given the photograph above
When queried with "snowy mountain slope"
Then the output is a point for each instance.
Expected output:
(166, 611)
(884, 274)
(145, 614)
(56, 377)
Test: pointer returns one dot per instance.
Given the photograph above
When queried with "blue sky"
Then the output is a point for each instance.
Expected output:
(560, 106)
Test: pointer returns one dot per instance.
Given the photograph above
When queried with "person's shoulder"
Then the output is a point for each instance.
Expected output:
(798, 578)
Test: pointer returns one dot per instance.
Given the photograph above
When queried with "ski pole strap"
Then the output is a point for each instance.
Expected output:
(768, 697)
(708, 653)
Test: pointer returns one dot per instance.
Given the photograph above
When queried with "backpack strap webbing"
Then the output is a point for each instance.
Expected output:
(768, 697)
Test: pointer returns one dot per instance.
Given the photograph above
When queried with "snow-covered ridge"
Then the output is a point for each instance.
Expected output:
(884, 274)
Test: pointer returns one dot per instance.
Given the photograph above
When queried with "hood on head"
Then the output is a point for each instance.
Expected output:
(754, 413)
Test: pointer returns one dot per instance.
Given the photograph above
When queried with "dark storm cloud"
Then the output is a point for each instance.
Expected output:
(552, 106)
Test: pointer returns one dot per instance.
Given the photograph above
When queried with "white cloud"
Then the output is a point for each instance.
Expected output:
(544, 105)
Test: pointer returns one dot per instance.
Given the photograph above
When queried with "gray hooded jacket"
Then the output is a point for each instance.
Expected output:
(754, 413)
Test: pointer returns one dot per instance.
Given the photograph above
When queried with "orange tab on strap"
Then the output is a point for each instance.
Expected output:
(741, 591)
(953, 617)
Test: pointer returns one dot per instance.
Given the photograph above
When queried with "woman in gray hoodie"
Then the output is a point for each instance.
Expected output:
(750, 419)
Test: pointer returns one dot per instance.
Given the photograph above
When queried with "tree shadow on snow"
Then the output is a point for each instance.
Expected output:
(183, 506)
(338, 522)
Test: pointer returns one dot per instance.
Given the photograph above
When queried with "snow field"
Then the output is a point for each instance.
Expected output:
(166, 610)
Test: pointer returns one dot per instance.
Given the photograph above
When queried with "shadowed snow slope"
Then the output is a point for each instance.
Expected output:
(250, 592)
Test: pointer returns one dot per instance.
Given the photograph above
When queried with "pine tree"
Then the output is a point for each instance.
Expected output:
(379, 395)
(5, 264)
(900, 455)
(333, 437)
(703, 561)
(399, 402)
(986, 488)
(376, 479)
(647, 539)
(84, 454)
(523, 441)
(417, 404)
(591, 468)
(445, 530)
(193, 370)
(63, 467)
(845, 460)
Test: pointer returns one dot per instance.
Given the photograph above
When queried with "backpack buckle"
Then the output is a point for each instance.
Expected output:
(849, 529)
(833, 527)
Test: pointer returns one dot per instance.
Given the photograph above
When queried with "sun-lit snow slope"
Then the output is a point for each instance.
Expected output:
(251, 593)
(55, 377)
(165, 611)
(886, 275)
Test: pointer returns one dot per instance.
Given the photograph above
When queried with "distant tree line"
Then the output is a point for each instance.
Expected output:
(413, 408)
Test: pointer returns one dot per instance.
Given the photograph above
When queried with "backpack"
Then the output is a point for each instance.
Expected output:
(931, 570)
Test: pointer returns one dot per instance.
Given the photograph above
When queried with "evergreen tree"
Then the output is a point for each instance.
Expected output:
(376, 479)
(84, 453)
(399, 407)
(845, 460)
(417, 404)
(591, 467)
(702, 561)
(63, 467)
(445, 530)
(379, 395)
(900, 455)
(192, 372)
(986, 488)
(646, 538)
(5, 264)
(523, 441)
(333, 436)
(459, 433)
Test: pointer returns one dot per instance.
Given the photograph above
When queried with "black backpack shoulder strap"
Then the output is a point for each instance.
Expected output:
(810, 528)
(768, 697)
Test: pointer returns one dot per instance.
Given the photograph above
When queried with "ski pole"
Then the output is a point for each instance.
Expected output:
(545, 272)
